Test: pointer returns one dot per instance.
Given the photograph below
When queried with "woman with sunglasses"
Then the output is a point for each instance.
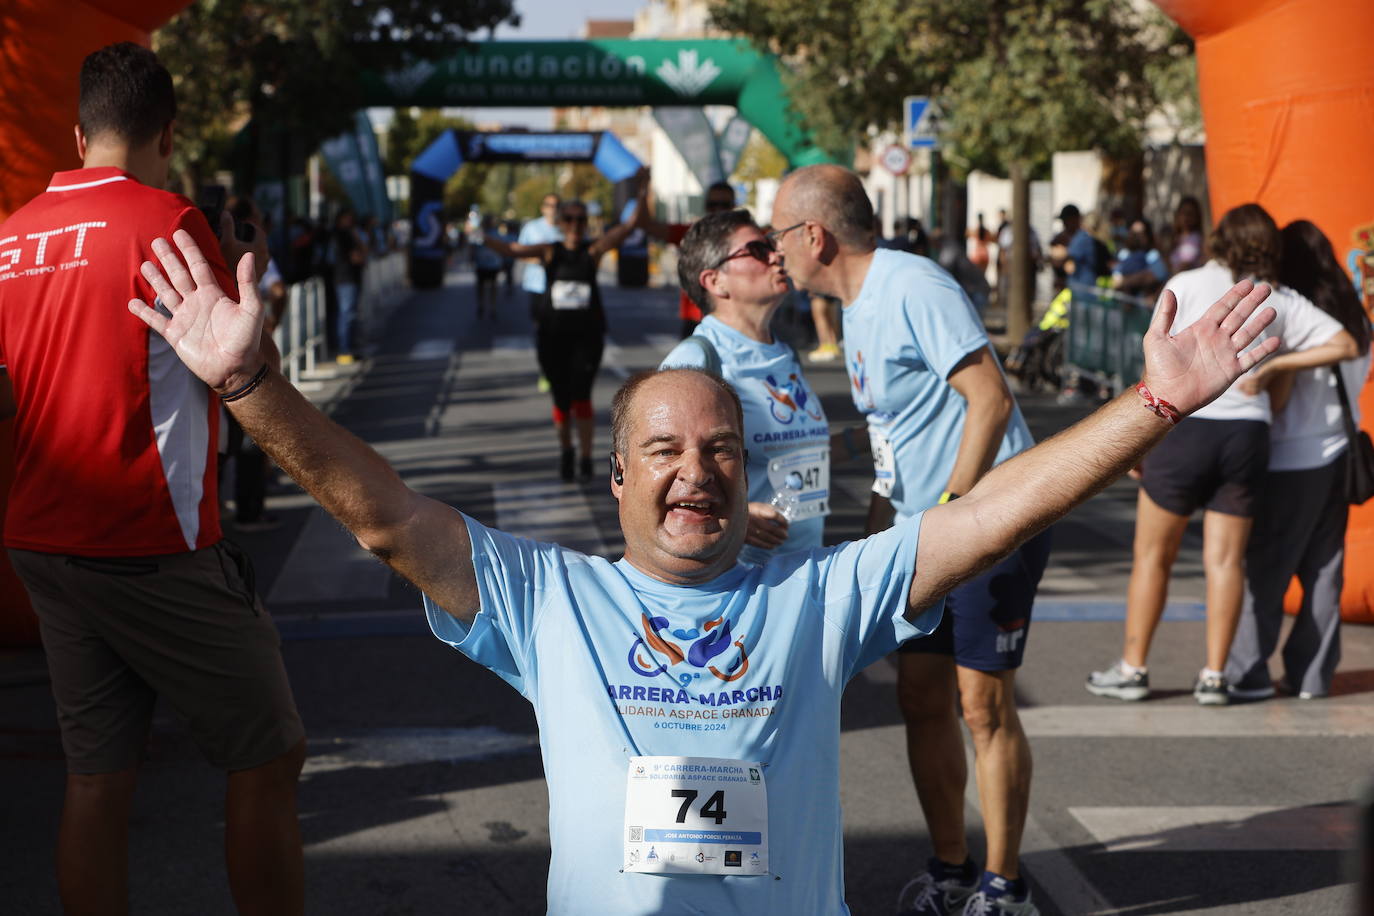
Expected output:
(570, 324)
(733, 272)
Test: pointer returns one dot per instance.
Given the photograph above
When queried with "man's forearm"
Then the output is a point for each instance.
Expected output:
(985, 425)
(1025, 495)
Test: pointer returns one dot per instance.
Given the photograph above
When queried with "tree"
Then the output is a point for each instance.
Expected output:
(294, 63)
(1016, 79)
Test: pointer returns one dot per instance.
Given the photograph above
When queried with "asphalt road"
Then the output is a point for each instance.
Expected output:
(423, 792)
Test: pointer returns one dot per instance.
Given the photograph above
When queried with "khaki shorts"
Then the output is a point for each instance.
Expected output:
(120, 631)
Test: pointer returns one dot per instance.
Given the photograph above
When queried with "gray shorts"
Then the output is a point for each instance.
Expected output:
(119, 631)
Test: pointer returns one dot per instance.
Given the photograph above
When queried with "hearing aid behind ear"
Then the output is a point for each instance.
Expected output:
(617, 474)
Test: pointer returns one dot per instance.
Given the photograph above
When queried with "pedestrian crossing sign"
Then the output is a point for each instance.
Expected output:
(919, 121)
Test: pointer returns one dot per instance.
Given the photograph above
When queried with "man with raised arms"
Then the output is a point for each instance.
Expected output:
(688, 704)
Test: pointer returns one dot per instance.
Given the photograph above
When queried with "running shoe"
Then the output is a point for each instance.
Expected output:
(1237, 692)
(584, 469)
(1115, 682)
(926, 896)
(825, 353)
(565, 464)
(1210, 690)
(984, 903)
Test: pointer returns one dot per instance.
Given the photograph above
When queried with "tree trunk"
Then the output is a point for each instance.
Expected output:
(1020, 285)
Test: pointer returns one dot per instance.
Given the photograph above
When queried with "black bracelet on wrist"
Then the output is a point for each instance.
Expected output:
(246, 389)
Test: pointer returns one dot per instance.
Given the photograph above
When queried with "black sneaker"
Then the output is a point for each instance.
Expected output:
(584, 469)
(1210, 690)
(565, 466)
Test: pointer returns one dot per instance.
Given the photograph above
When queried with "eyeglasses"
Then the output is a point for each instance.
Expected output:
(761, 250)
(776, 236)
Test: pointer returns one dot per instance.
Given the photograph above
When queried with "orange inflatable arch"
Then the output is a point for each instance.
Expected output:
(1293, 130)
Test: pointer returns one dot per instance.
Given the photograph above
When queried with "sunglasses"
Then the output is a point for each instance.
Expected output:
(579, 218)
(761, 250)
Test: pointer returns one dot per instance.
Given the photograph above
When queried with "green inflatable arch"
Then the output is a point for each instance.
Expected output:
(609, 72)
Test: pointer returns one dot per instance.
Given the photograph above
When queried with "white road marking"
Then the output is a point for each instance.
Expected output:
(550, 511)
(386, 747)
(1071, 890)
(434, 348)
(1212, 828)
(326, 564)
(662, 343)
(613, 361)
(512, 342)
(1133, 720)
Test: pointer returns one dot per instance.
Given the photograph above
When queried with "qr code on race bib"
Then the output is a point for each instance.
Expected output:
(636, 834)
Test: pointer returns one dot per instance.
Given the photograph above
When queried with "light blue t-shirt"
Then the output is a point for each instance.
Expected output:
(748, 666)
(904, 333)
(536, 232)
(1084, 255)
(782, 416)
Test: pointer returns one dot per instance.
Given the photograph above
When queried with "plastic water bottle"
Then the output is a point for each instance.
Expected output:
(785, 501)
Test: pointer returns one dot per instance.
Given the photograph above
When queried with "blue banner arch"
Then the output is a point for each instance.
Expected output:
(442, 158)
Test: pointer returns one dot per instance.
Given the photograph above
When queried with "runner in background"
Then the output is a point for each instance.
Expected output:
(719, 198)
(570, 323)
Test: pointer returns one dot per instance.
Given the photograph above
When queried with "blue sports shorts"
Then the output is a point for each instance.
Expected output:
(987, 619)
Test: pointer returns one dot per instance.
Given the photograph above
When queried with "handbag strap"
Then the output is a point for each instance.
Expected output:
(1350, 429)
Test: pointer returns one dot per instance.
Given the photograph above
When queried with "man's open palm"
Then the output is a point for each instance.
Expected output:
(216, 337)
(1194, 366)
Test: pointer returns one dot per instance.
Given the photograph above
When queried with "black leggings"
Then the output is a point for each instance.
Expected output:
(570, 363)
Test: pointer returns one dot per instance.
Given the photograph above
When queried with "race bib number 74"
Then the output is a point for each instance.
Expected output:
(696, 816)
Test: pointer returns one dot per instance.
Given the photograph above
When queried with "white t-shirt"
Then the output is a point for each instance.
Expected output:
(1300, 325)
(1310, 431)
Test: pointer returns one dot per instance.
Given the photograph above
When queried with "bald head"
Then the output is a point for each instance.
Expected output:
(832, 196)
(624, 409)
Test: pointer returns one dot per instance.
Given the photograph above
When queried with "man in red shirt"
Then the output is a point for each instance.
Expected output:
(719, 198)
(113, 520)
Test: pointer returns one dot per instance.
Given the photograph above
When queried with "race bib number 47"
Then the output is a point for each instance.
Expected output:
(696, 816)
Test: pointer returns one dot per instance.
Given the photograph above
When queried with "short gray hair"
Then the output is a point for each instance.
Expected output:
(834, 197)
(704, 246)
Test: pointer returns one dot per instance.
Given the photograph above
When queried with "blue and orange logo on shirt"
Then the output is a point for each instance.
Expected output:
(788, 398)
(659, 648)
(858, 380)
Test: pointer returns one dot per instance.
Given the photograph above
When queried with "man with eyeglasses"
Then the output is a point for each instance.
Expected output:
(940, 417)
(688, 704)
(720, 198)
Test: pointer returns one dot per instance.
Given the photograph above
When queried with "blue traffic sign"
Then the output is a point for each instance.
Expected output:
(918, 123)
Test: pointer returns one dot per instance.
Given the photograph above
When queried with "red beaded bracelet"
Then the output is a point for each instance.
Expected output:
(1158, 406)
